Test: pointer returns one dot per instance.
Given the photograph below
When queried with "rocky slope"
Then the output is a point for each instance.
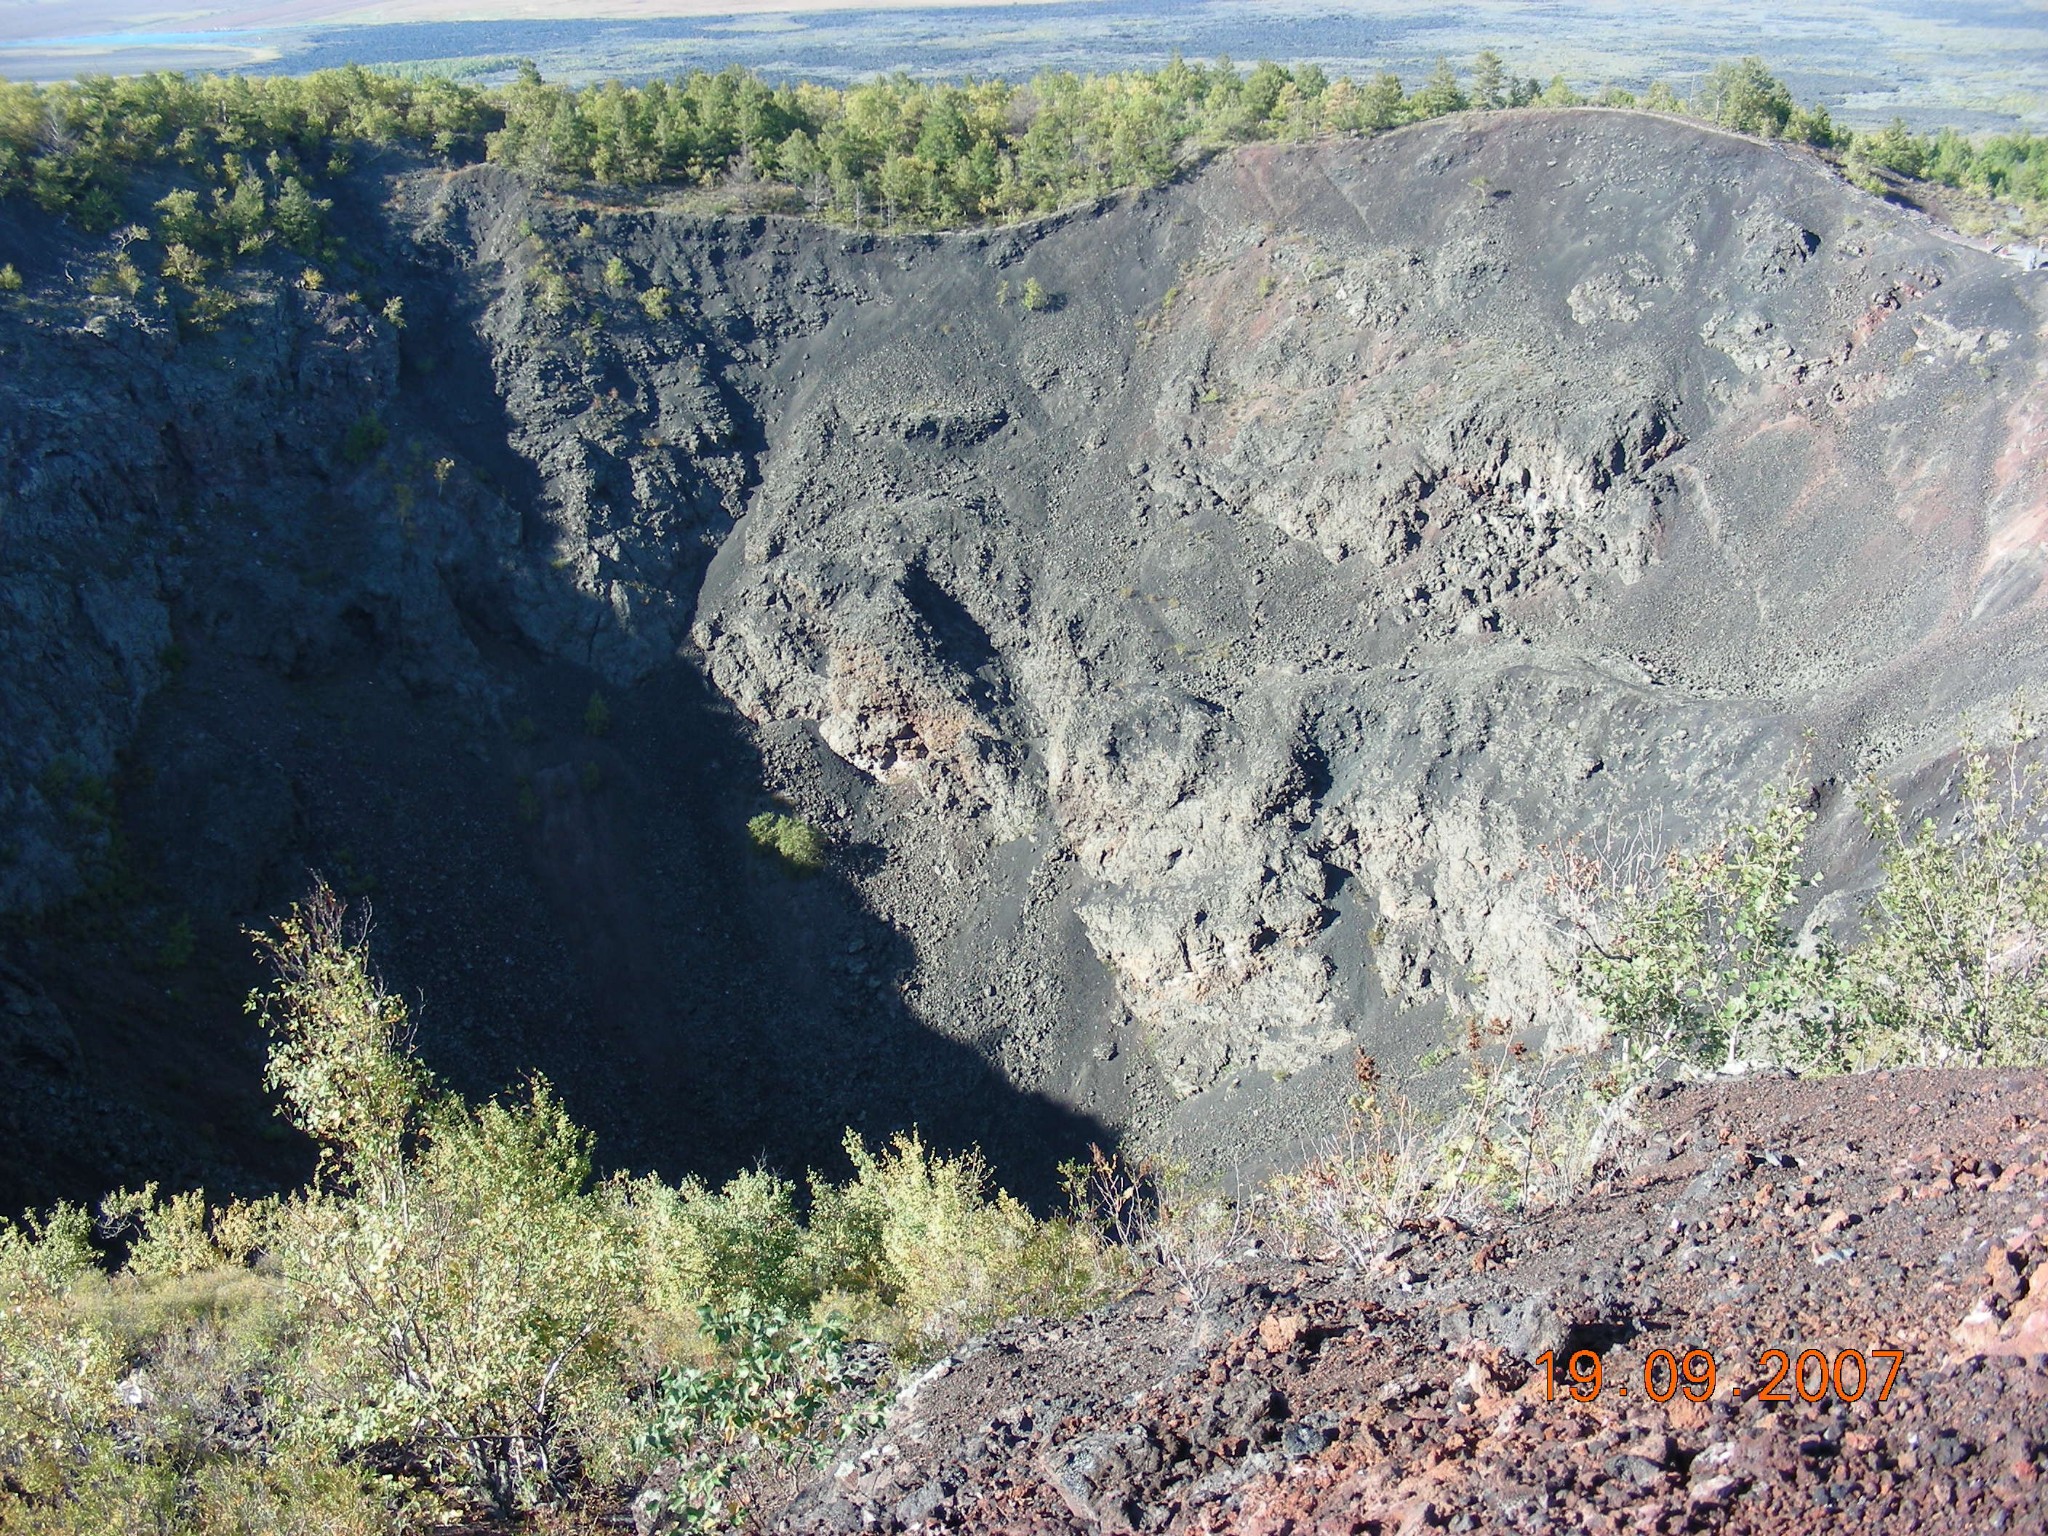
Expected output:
(1895, 1212)
(1187, 671)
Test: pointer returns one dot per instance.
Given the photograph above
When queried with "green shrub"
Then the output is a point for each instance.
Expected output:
(597, 716)
(737, 1247)
(121, 279)
(1954, 966)
(279, 1496)
(791, 839)
(10, 279)
(364, 440)
(655, 302)
(1698, 964)
(1034, 297)
(105, 1492)
(169, 1238)
(920, 1253)
(765, 1398)
(58, 1378)
(1704, 966)
(460, 1285)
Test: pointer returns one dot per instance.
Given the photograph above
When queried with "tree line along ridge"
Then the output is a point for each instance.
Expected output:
(895, 152)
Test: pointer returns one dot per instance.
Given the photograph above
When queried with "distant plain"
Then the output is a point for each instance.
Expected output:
(1974, 66)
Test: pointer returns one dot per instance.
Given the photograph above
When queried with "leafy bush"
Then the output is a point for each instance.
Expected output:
(1704, 966)
(1695, 962)
(765, 1399)
(56, 1376)
(791, 839)
(743, 1246)
(919, 1253)
(460, 1284)
(169, 1237)
(1954, 967)
(364, 440)
(152, 1497)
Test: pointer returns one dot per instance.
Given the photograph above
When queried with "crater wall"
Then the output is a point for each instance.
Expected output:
(1190, 671)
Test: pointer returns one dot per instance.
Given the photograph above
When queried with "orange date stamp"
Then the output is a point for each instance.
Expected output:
(1808, 1377)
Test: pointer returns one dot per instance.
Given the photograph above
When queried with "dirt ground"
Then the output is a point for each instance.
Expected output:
(1895, 1212)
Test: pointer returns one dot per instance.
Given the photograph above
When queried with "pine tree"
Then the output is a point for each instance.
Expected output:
(1380, 103)
(1440, 94)
(1488, 81)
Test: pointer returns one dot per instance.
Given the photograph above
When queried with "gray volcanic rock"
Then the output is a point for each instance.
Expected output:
(1365, 517)
(1192, 671)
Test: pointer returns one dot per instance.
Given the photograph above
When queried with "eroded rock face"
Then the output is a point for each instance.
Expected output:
(1202, 664)
(1366, 518)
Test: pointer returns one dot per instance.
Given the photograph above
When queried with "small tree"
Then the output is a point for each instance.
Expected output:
(1380, 104)
(1034, 297)
(340, 1058)
(1489, 81)
(1812, 125)
(1894, 148)
(1746, 97)
(1440, 94)
(179, 219)
(300, 217)
(458, 1282)
(1660, 98)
